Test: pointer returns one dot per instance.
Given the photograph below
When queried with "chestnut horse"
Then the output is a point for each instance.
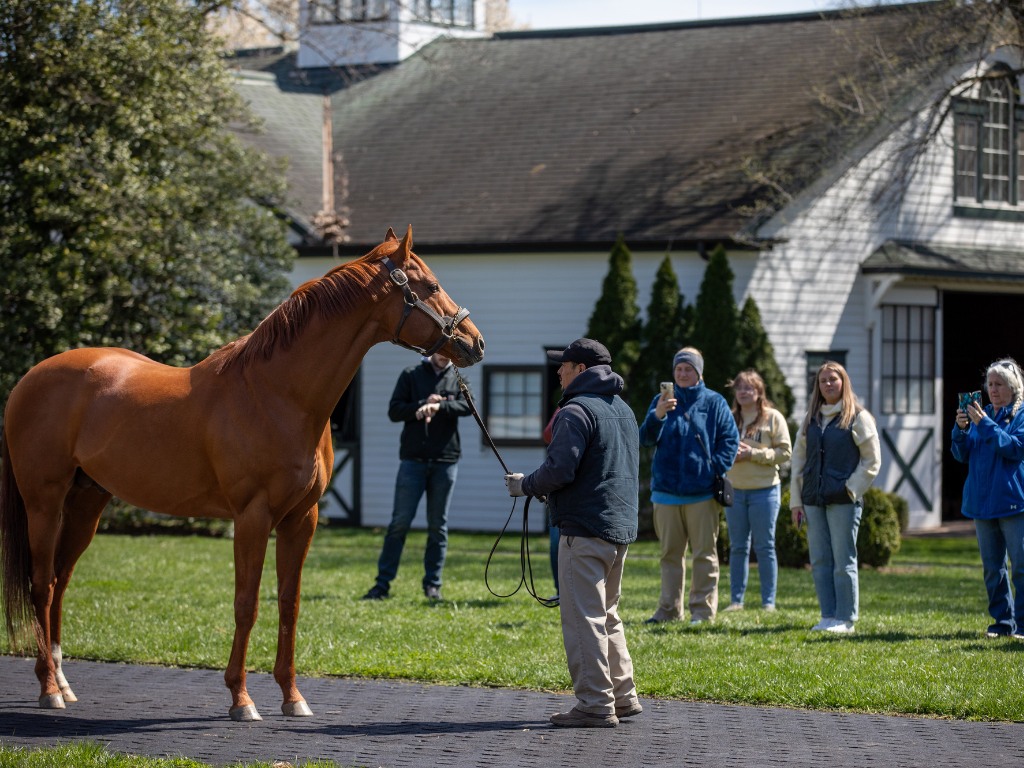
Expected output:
(242, 436)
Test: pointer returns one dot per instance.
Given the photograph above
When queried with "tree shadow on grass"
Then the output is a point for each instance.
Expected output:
(485, 602)
(682, 629)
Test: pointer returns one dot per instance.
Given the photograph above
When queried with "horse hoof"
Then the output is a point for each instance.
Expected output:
(51, 701)
(68, 694)
(296, 709)
(246, 714)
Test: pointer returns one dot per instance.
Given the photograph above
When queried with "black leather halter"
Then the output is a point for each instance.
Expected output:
(412, 301)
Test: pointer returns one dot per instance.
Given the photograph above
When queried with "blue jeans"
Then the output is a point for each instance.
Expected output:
(554, 535)
(437, 478)
(753, 514)
(997, 538)
(832, 539)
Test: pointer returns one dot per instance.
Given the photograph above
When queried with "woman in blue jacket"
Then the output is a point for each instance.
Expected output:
(696, 439)
(991, 442)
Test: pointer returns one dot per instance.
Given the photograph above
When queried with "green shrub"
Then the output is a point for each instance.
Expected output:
(790, 544)
(902, 507)
(879, 535)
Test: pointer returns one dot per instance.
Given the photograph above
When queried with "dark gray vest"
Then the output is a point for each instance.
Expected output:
(604, 495)
(832, 457)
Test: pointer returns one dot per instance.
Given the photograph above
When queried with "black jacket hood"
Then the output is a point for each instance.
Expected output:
(599, 380)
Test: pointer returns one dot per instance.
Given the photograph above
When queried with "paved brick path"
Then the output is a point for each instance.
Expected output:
(159, 711)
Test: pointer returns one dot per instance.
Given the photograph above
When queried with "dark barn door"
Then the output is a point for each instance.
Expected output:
(978, 329)
(343, 494)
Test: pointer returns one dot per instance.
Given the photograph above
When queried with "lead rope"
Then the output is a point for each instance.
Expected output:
(525, 565)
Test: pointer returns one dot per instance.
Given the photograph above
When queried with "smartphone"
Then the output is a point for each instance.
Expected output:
(800, 517)
(666, 389)
(969, 397)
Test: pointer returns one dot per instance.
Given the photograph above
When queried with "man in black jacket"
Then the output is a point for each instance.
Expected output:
(591, 480)
(428, 399)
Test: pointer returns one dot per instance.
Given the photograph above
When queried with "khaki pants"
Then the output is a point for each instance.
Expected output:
(676, 525)
(589, 581)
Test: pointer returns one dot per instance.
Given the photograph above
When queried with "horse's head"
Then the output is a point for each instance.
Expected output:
(422, 316)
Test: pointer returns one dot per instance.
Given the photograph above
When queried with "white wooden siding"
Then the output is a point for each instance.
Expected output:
(521, 303)
(812, 295)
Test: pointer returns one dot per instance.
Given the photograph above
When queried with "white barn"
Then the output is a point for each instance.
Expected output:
(518, 158)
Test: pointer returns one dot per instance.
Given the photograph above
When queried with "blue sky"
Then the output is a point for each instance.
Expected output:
(541, 14)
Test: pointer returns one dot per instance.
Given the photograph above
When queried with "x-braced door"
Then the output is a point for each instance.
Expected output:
(343, 496)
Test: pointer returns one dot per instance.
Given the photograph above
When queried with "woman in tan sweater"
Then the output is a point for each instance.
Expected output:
(764, 445)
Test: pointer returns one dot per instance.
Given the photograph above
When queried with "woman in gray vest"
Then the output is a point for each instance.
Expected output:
(835, 459)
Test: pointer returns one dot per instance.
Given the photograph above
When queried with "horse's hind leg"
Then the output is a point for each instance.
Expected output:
(294, 535)
(43, 505)
(82, 510)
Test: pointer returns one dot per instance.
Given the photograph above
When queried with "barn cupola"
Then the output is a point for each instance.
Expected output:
(353, 32)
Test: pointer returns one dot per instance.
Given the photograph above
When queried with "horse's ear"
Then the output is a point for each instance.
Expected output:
(404, 249)
(390, 235)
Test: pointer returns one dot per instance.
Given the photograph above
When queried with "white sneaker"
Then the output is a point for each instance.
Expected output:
(822, 625)
(697, 622)
(841, 627)
(732, 607)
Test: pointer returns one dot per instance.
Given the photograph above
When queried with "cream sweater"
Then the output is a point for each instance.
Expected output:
(770, 447)
(864, 434)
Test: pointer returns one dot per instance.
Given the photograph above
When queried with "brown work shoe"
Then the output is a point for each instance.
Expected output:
(628, 710)
(574, 718)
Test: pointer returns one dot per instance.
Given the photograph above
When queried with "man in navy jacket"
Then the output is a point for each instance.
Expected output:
(591, 480)
(696, 439)
(428, 399)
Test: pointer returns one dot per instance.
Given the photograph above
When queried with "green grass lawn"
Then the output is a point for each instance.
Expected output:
(91, 755)
(918, 646)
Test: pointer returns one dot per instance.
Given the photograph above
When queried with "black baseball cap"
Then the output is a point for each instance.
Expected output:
(586, 351)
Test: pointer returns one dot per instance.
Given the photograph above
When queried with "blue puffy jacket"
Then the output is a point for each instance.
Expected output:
(681, 468)
(993, 449)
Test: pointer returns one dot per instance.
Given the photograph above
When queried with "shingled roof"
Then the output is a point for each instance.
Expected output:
(564, 138)
(949, 261)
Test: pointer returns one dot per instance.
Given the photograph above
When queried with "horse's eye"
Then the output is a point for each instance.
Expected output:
(434, 287)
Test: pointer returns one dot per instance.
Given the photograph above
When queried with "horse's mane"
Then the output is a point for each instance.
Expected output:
(337, 292)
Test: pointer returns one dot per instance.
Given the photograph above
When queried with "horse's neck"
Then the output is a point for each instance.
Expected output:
(315, 369)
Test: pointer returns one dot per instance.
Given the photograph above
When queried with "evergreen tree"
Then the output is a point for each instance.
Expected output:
(126, 204)
(661, 337)
(616, 319)
(716, 321)
(755, 351)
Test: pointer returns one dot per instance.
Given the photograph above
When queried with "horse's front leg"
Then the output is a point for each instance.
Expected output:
(294, 534)
(252, 532)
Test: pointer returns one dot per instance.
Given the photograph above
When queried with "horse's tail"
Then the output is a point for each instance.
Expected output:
(15, 554)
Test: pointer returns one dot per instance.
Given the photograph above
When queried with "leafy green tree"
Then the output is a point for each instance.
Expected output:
(755, 351)
(130, 215)
(616, 318)
(665, 331)
(716, 324)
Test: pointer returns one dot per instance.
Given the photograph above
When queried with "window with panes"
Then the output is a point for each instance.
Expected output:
(457, 13)
(337, 11)
(908, 359)
(514, 403)
(988, 147)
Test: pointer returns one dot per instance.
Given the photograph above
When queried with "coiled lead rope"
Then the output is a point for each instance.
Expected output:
(525, 565)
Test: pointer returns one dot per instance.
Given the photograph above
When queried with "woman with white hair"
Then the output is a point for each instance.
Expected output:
(990, 441)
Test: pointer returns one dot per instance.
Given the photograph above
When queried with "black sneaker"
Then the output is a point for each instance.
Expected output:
(377, 592)
(432, 593)
(997, 630)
